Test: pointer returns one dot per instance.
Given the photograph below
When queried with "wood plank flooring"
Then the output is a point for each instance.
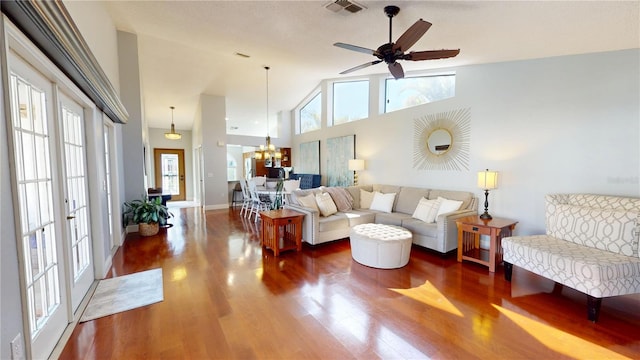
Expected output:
(224, 298)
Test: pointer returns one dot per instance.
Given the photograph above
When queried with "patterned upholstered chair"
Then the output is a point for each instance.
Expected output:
(591, 245)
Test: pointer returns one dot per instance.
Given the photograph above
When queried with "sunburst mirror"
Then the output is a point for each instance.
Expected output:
(441, 141)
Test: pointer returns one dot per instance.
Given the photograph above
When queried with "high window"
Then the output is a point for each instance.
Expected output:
(350, 101)
(413, 91)
(311, 114)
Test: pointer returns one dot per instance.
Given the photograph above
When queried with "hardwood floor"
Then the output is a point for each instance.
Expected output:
(224, 298)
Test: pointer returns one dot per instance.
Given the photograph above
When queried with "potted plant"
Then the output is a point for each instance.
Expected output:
(149, 214)
(277, 202)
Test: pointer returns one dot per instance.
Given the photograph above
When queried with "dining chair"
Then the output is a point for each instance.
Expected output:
(246, 198)
(257, 204)
(289, 186)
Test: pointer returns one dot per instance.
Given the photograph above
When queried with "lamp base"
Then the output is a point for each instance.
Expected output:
(486, 216)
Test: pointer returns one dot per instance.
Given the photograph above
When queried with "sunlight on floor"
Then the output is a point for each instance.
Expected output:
(428, 294)
(558, 340)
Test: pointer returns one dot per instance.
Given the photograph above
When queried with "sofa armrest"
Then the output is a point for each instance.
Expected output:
(448, 229)
(310, 223)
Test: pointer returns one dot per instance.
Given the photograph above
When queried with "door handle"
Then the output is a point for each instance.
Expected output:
(181, 177)
(70, 217)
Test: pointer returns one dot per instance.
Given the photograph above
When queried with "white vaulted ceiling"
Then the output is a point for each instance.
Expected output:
(189, 48)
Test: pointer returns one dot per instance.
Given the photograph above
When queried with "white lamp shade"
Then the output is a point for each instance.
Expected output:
(356, 164)
(488, 180)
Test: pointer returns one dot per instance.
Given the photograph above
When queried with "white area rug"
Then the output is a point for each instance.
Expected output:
(124, 293)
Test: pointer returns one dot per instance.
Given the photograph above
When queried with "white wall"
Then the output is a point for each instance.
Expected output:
(158, 141)
(99, 31)
(214, 150)
(134, 131)
(562, 124)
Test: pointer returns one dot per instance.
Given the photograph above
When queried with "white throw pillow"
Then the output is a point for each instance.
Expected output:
(325, 204)
(308, 201)
(382, 202)
(427, 210)
(366, 197)
(447, 206)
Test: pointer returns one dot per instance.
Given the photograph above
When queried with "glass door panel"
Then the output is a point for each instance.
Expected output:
(43, 280)
(76, 199)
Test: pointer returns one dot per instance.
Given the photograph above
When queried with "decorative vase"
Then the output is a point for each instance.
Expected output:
(148, 229)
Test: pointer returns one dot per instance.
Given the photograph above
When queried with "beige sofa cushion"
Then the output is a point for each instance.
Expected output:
(366, 197)
(308, 201)
(334, 222)
(395, 218)
(419, 227)
(297, 193)
(355, 193)
(408, 199)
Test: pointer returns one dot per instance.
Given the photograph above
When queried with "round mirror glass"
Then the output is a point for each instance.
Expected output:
(439, 141)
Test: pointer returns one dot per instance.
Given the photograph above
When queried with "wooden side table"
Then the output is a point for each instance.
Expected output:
(469, 230)
(282, 230)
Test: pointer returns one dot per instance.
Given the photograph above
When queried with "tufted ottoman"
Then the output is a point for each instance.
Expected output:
(380, 246)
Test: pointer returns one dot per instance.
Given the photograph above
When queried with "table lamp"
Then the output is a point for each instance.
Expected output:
(487, 180)
(356, 165)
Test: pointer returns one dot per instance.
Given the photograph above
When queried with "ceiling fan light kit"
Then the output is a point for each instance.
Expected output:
(391, 52)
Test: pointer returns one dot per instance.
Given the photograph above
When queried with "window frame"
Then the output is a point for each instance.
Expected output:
(298, 111)
(368, 80)
(384, 92)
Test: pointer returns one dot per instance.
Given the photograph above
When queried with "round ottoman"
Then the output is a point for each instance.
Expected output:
(380, 246)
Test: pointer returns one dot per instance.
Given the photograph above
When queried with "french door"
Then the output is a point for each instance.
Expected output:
(76, 205)
(52, 219)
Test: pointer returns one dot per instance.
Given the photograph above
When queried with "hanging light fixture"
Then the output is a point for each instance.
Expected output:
(268, 151)
(172, 135)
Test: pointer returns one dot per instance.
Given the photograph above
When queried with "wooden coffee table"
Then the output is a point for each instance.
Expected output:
(281, 230)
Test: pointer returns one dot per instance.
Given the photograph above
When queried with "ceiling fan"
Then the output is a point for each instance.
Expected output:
(391, 52)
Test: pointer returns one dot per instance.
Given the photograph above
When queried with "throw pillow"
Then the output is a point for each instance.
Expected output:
(366, 197)
(382, 202)
(447, 206)
(427, 210)
(325, 204)
(308, 201)
(341, 197)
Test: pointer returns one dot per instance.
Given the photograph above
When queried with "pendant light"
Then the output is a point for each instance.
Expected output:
(172, 135)
(268, 151)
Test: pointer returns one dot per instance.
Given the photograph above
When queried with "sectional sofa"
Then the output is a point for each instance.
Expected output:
(440, 235)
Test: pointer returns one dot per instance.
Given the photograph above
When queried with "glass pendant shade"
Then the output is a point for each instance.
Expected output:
(172, 135)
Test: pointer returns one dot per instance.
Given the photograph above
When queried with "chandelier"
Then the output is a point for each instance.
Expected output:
(172, 135)
(268, 151)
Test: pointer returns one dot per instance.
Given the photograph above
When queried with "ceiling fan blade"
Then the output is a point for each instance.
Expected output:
(411, 36)
(430, 55)
(354, 48)
(360, 67)
(396, 70)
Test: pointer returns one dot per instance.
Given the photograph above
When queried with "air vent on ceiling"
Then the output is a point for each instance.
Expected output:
(339, 5)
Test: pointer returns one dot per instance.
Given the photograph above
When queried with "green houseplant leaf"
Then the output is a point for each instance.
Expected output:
(146, 210)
